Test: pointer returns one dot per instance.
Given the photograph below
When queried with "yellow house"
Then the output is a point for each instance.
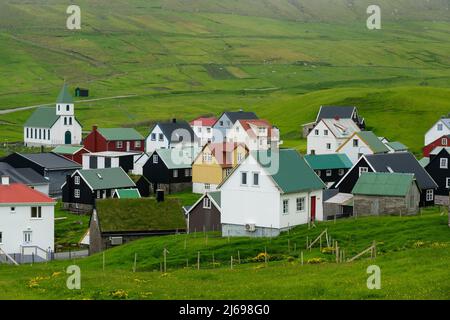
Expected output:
(214, 163)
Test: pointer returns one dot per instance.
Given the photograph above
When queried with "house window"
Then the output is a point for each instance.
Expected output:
(444, 163)
(440, 127)
(77, 180)
(316, 132)
(1, 237)
(207, 186)
(59, 107)
(328, 146)
(36, 212)
(99, 194)
(35, 133)
(40, 134)
(244, 178)
(444, 141)
(65, 121)
(48, 134)
(255, 178)
(430, 195)
(362, 170)
(76, 193)
(155, 158)
(67, 107)
(119, 144)
(227, 172)
(328, 173)
(325, 132)
(228, 123)
(300, 204)
(70, 121)
(447, 183)
(43, 132)
(27, 236)
(341, 172)
(28, 132)
(285, 206)
(161, 137)
(153, 136)
(137, 144)
(206, 203)
(175, 173)
(187, 172)
(13, 209)
(355, 142)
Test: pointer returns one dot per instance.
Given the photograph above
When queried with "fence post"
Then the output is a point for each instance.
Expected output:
(198, 260)
(231, 263)
(239, 257)
(337, 252)
(214, 262)
(135, 260)
(265, 256)
(301, 257)
(103, 260)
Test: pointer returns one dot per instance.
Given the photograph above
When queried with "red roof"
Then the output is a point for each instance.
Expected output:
(257, 122)
(204, 122)
(20, 193)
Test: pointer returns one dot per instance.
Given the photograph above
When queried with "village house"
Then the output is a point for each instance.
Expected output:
(204, 215)
(226, 122)
(268, 193)
(329, 167)
(362, 143)
(139, 162)
(400, 162)
(168, 135)
(74, 153)
(170, 169)
(203, 129)
(329, 134)
(443, 141)
(26, 176)
(256, 134)
(439, 129)
(84, 187)
(26, 223)
(109, 159)
(384, 193)
(334, 112)
(54, 126)
(51, 166)
(114, 139)
(214, 162)
(115, 221)
(438, 168)
(144, 186)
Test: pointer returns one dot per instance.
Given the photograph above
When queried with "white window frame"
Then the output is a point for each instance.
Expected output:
(28, 237)
(119, 144)
(443, 163)
(363, 170)
(325, 132)
(300, 204)
(429, 195)
(341, 172)
(77, 193)
(447, 182)
(329, 173)
(38, 212)
(440, 127)
(137, 144)
(206, 203)
(161, 137)
(444, 141)
(328, 146)
(155, 158)
(153, 137)
(187, 172)
(207, 186)
(175, 173)
(316, 132)
(77, 180)
(285, 208)
(355, 143)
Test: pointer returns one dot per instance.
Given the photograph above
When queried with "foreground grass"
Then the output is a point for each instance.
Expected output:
(69, 229)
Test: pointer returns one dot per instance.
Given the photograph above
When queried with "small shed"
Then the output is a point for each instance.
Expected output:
(382, 193)
(204, 215)
(119, 221)
(81, 92)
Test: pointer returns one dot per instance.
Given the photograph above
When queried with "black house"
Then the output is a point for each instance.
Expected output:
(329, 167)
(401, 162)
(83, 187)
(439, 170)
(51, 166)
(80, 92)
(170, 169)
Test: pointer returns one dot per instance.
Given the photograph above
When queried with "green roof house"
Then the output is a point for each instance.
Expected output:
(379, 193)
(329, 167)
(268, 193)
(119, 221)
(54, 126)
(362, 143)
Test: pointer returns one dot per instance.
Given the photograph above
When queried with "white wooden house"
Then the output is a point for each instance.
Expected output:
(54, 126)
(26, 222)
(362, 143)
(226, 122)
(168, 135)
(329, 134)
(256, 134)
(259, 199)
(439, 129)
(203, 129)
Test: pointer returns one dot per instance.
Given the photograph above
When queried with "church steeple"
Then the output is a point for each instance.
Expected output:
(65, 102)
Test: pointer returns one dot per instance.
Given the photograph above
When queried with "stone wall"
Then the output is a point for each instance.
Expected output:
(234, 230)
(376, 205)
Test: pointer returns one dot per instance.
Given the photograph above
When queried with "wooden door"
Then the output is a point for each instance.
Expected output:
(313, 208)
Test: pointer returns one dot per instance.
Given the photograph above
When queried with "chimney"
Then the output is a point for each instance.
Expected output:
(174, 120)
(94, 127)
(337, 118)
(5, 180)
(159, 195)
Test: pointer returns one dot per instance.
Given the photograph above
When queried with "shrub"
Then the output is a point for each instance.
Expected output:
(315, 261)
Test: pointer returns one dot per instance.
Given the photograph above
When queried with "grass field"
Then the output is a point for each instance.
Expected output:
(412, 253)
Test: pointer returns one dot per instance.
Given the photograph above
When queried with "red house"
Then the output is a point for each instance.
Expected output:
(74, 153)
(114, 139)
(443, 141)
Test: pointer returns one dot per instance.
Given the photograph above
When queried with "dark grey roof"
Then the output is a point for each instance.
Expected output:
(26, 176)
(240, 115)
(331, 112)
(51, 161)
(402, 162)
(169, 127)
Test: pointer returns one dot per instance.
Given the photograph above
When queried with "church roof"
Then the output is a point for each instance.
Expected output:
(42, 118)
(64, 95)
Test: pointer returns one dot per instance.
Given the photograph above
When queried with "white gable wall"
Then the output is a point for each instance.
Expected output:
(354, 152)
(434, 133)
(220, 129)
(319, 142)
(152, 145)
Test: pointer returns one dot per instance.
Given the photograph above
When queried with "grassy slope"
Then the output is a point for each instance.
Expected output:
(68, 231)
(413, 257)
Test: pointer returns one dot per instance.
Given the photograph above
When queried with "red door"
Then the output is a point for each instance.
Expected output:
(313, 208)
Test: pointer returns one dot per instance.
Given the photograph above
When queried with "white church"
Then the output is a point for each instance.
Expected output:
(53, 126)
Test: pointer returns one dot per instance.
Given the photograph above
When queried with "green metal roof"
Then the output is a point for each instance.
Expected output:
(64, 95)
(215, 195)
(293, 173)
(110, 178)
(329, 161)
(373, 142)
(383, 184)
(424, 161)
(114, 134)
(42, 118)
(128, 193)
(397, 146)
(67, 149)
(178, 158)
